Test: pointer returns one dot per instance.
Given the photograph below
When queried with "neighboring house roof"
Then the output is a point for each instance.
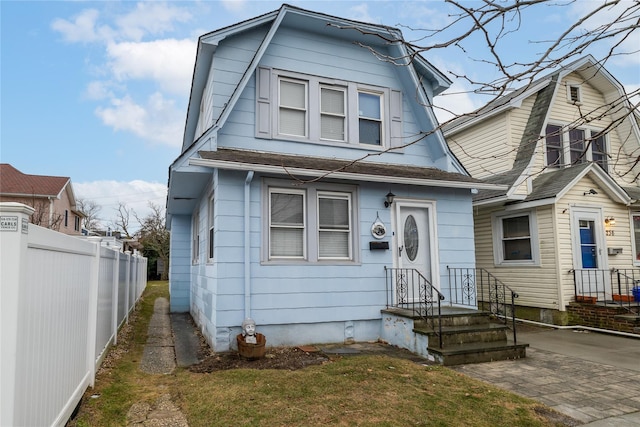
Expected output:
(548, 184)
(15, 183)
(305, 166)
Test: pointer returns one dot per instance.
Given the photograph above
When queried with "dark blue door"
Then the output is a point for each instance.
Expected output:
(588, 246)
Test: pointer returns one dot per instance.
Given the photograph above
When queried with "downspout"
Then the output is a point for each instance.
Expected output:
(247, 245)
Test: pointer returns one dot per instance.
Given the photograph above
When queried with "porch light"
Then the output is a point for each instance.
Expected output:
(610, 221)
(591, 191)
(389, 199)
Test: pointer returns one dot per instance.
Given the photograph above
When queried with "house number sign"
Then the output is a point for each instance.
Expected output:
(610, 232)
(8, 223)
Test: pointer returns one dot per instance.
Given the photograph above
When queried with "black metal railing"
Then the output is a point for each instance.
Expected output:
(492, 294)
(617, 286)
(408, 289)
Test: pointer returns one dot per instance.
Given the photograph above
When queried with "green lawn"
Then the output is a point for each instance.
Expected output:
(355, 390)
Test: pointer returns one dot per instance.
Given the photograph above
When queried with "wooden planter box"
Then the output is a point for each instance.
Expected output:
(252, 351)
(623, 298)
(585, 299)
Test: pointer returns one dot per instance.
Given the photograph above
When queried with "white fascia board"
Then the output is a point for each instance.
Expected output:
(318, 173)
(216, 37)
(531, 205)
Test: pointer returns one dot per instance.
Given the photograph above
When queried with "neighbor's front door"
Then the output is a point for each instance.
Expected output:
(414, 232)
(589, 257)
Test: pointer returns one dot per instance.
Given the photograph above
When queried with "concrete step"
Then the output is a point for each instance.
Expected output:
(478, 352)
(452, 335)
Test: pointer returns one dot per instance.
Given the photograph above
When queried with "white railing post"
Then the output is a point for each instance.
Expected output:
(92, 320)
(114, 294)
(14, 232)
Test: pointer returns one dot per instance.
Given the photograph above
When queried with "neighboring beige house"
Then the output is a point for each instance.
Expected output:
(51, 197)
(568, 226)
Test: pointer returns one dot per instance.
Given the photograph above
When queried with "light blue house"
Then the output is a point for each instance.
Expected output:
(296, 133)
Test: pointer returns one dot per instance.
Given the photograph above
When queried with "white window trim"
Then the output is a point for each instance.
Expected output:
(498, 249)
(314, 84)
(311, 191)
(589, 132)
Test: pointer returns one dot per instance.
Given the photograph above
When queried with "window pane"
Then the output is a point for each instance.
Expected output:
(287, 209)
(369, 105)
(369, 132)
(332, 101)
(517, 249)
(332, 127)
(333, 213)
(636, 233)
(333, 244)
(576, 145)
(599, 151)
(553, 139)
(292, 95)
(515, 227)
(287, 242)
(292, 122)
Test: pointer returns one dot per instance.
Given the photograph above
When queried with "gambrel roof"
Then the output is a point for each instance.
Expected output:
(545, 90)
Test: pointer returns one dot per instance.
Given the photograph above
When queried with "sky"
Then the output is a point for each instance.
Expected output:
(98, 90)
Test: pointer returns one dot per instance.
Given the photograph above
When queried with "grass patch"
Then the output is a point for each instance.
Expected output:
(355, 390)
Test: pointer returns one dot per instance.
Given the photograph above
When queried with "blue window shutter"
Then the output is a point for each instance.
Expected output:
(263, 103)
(396, 118)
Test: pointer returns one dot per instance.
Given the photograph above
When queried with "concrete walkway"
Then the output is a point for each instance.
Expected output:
(591, 377)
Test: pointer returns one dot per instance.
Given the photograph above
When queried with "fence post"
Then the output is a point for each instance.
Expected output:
(128, 281)
(114, 297)
(94, 281)
(14, 232)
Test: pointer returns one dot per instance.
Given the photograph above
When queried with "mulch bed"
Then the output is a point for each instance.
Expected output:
(289, 358)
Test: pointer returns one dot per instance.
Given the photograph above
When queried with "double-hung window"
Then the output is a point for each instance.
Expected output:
(599, 149)
(310, 224)
(334, 225)
(287, 223)
(333, 114)
(515, 239)
(370, 118)
(554, 146)
(577, 146)
(210, 227)
(195, 238)
(293, 108)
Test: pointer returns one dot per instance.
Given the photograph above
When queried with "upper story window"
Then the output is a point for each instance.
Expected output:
(577, 145)
(306, 108)
(574, 93)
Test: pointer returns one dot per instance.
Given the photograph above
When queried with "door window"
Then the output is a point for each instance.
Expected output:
(411, 240)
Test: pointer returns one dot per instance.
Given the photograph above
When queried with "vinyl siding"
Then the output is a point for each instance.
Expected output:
(485, 149)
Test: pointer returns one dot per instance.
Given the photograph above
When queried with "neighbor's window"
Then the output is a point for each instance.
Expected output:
(76, 225)
(66, 218)
(370, 118)
(515, 239)
(293, 108)
(334, 226)
(286, 224)
(576, 146)
(553, 139)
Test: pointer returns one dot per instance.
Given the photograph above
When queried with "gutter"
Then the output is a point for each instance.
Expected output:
(247, 245)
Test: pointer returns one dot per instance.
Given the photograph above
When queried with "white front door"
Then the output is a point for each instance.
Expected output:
(414, 243)
(589, 253)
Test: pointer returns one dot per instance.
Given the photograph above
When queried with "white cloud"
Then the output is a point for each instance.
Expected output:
(234, 5)
(135, 195)
(157, 121)
(150, 18)
(82, 29)
(169, 62)
(99, 90)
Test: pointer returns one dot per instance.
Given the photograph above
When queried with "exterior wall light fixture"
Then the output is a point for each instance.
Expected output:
(389, 199)
(610, 221)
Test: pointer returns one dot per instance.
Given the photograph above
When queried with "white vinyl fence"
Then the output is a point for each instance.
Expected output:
(62, 300)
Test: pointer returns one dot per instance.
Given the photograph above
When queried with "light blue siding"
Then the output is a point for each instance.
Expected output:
(179, 274)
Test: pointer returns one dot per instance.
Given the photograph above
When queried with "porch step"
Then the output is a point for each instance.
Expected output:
(478, 352)
(466, 334)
